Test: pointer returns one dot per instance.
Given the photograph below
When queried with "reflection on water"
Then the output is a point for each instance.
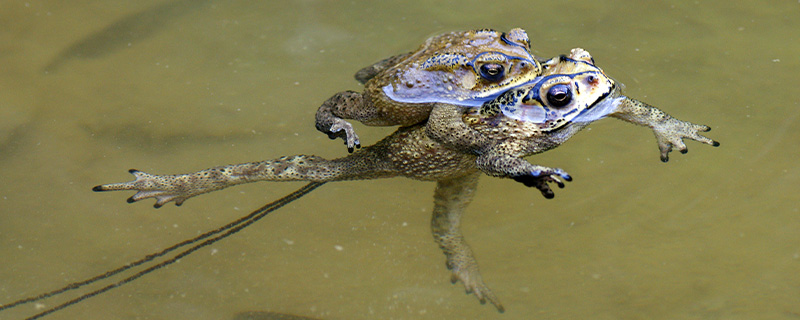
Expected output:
(712, 234)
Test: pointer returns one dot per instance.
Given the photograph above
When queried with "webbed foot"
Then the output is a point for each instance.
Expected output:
(671, 133)
(164, 189)
(541, 177)
(465, 269)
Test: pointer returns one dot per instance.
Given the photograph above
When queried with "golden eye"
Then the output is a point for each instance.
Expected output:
(559, 95)
(492, 72)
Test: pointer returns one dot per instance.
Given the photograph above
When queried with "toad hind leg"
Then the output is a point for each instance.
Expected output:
(450, 199)
(179, 187)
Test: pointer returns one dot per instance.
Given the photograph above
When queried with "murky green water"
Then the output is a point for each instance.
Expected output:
(90, 89)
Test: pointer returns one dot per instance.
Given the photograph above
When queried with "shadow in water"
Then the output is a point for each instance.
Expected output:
(124, 32)
(196, 243)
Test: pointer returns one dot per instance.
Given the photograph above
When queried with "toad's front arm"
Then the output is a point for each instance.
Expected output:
(669, 131)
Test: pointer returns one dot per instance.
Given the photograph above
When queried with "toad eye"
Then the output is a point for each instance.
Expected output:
(492, 72)
(559, 95)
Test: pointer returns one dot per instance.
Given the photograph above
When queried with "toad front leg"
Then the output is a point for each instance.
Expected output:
(500, 164)
(343, 105)
(669, 131)
(498, 158)
(367, 109)
(450, 199)
(352, 105)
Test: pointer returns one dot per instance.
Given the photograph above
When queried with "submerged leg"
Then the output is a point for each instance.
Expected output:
(451, 198)
(669, 131)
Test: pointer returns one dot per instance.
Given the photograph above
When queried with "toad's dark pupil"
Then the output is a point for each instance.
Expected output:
(492, 72)
(559, 95)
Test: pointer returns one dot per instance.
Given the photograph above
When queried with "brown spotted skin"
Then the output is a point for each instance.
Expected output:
(452, 148)
(455, 64)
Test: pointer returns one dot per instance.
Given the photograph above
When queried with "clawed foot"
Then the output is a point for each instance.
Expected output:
(163, 188)
(473, 283)
(672, 133)
(541, 177)
(343, 129)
